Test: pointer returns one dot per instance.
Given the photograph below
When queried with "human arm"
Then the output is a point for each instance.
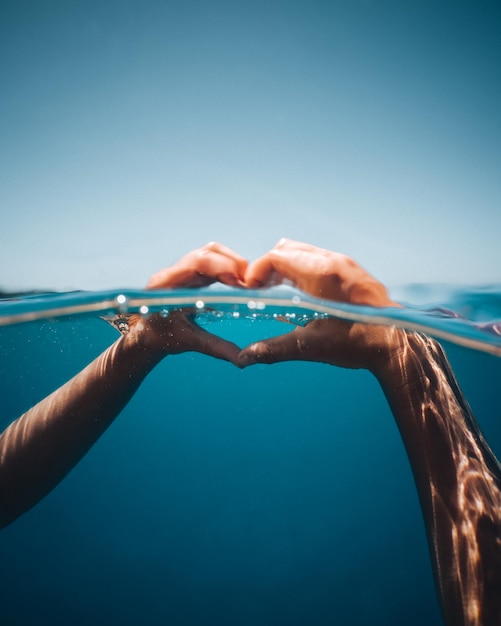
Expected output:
(457, 476)
(44, 444)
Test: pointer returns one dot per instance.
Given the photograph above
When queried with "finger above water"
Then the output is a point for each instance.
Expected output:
(213, 262)
(215, 246)
(301, 266)
(271, 268)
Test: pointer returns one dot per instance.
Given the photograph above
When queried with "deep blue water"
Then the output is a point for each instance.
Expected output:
(275, 496)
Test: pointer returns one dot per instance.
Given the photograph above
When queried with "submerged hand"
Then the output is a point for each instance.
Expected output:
(178, 332)
(331, 341)
(328, 275)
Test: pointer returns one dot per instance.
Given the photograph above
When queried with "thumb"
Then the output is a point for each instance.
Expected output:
(282, 348)
(217, 347)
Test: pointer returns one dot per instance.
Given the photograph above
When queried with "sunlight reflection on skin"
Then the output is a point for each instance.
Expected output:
(459, 483)
(457, 476)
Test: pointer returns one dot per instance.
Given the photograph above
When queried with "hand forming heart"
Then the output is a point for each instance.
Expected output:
(314, 270)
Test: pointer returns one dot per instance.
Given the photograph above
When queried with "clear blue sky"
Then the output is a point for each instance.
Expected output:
(134, 131)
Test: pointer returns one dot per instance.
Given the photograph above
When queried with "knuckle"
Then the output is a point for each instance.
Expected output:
(211, 246)
(283, 242)
(264, 354)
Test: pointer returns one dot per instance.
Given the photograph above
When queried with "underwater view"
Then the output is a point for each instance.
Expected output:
(275, 495)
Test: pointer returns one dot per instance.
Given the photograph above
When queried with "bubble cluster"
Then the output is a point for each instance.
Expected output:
(252, 304)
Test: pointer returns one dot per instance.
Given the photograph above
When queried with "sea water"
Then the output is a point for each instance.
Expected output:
(274, 496)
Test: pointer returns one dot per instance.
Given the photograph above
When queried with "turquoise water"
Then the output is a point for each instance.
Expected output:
(277, 495)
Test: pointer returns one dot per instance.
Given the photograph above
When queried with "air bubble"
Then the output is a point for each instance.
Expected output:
(144, 310)
(121, 302)
(164, 313)
(296, 299)
(251, 304)
(236, 314)
(199, 304)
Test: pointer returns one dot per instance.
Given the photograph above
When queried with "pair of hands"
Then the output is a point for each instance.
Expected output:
(321, 273)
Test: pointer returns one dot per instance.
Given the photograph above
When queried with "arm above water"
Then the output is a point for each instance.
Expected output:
(457, 476)
(44, 444)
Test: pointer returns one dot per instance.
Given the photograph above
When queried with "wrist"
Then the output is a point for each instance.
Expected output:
(405, 359)
(386, 351)
(147, 335)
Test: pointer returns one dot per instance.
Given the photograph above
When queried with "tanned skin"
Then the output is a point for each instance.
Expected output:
(39, 449)
(457, 476)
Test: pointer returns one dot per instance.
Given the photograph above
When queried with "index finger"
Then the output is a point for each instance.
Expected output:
(301, 263)
(319, 272)
(210, 263)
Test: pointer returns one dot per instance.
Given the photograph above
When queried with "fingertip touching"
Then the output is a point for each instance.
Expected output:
(259, 352)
